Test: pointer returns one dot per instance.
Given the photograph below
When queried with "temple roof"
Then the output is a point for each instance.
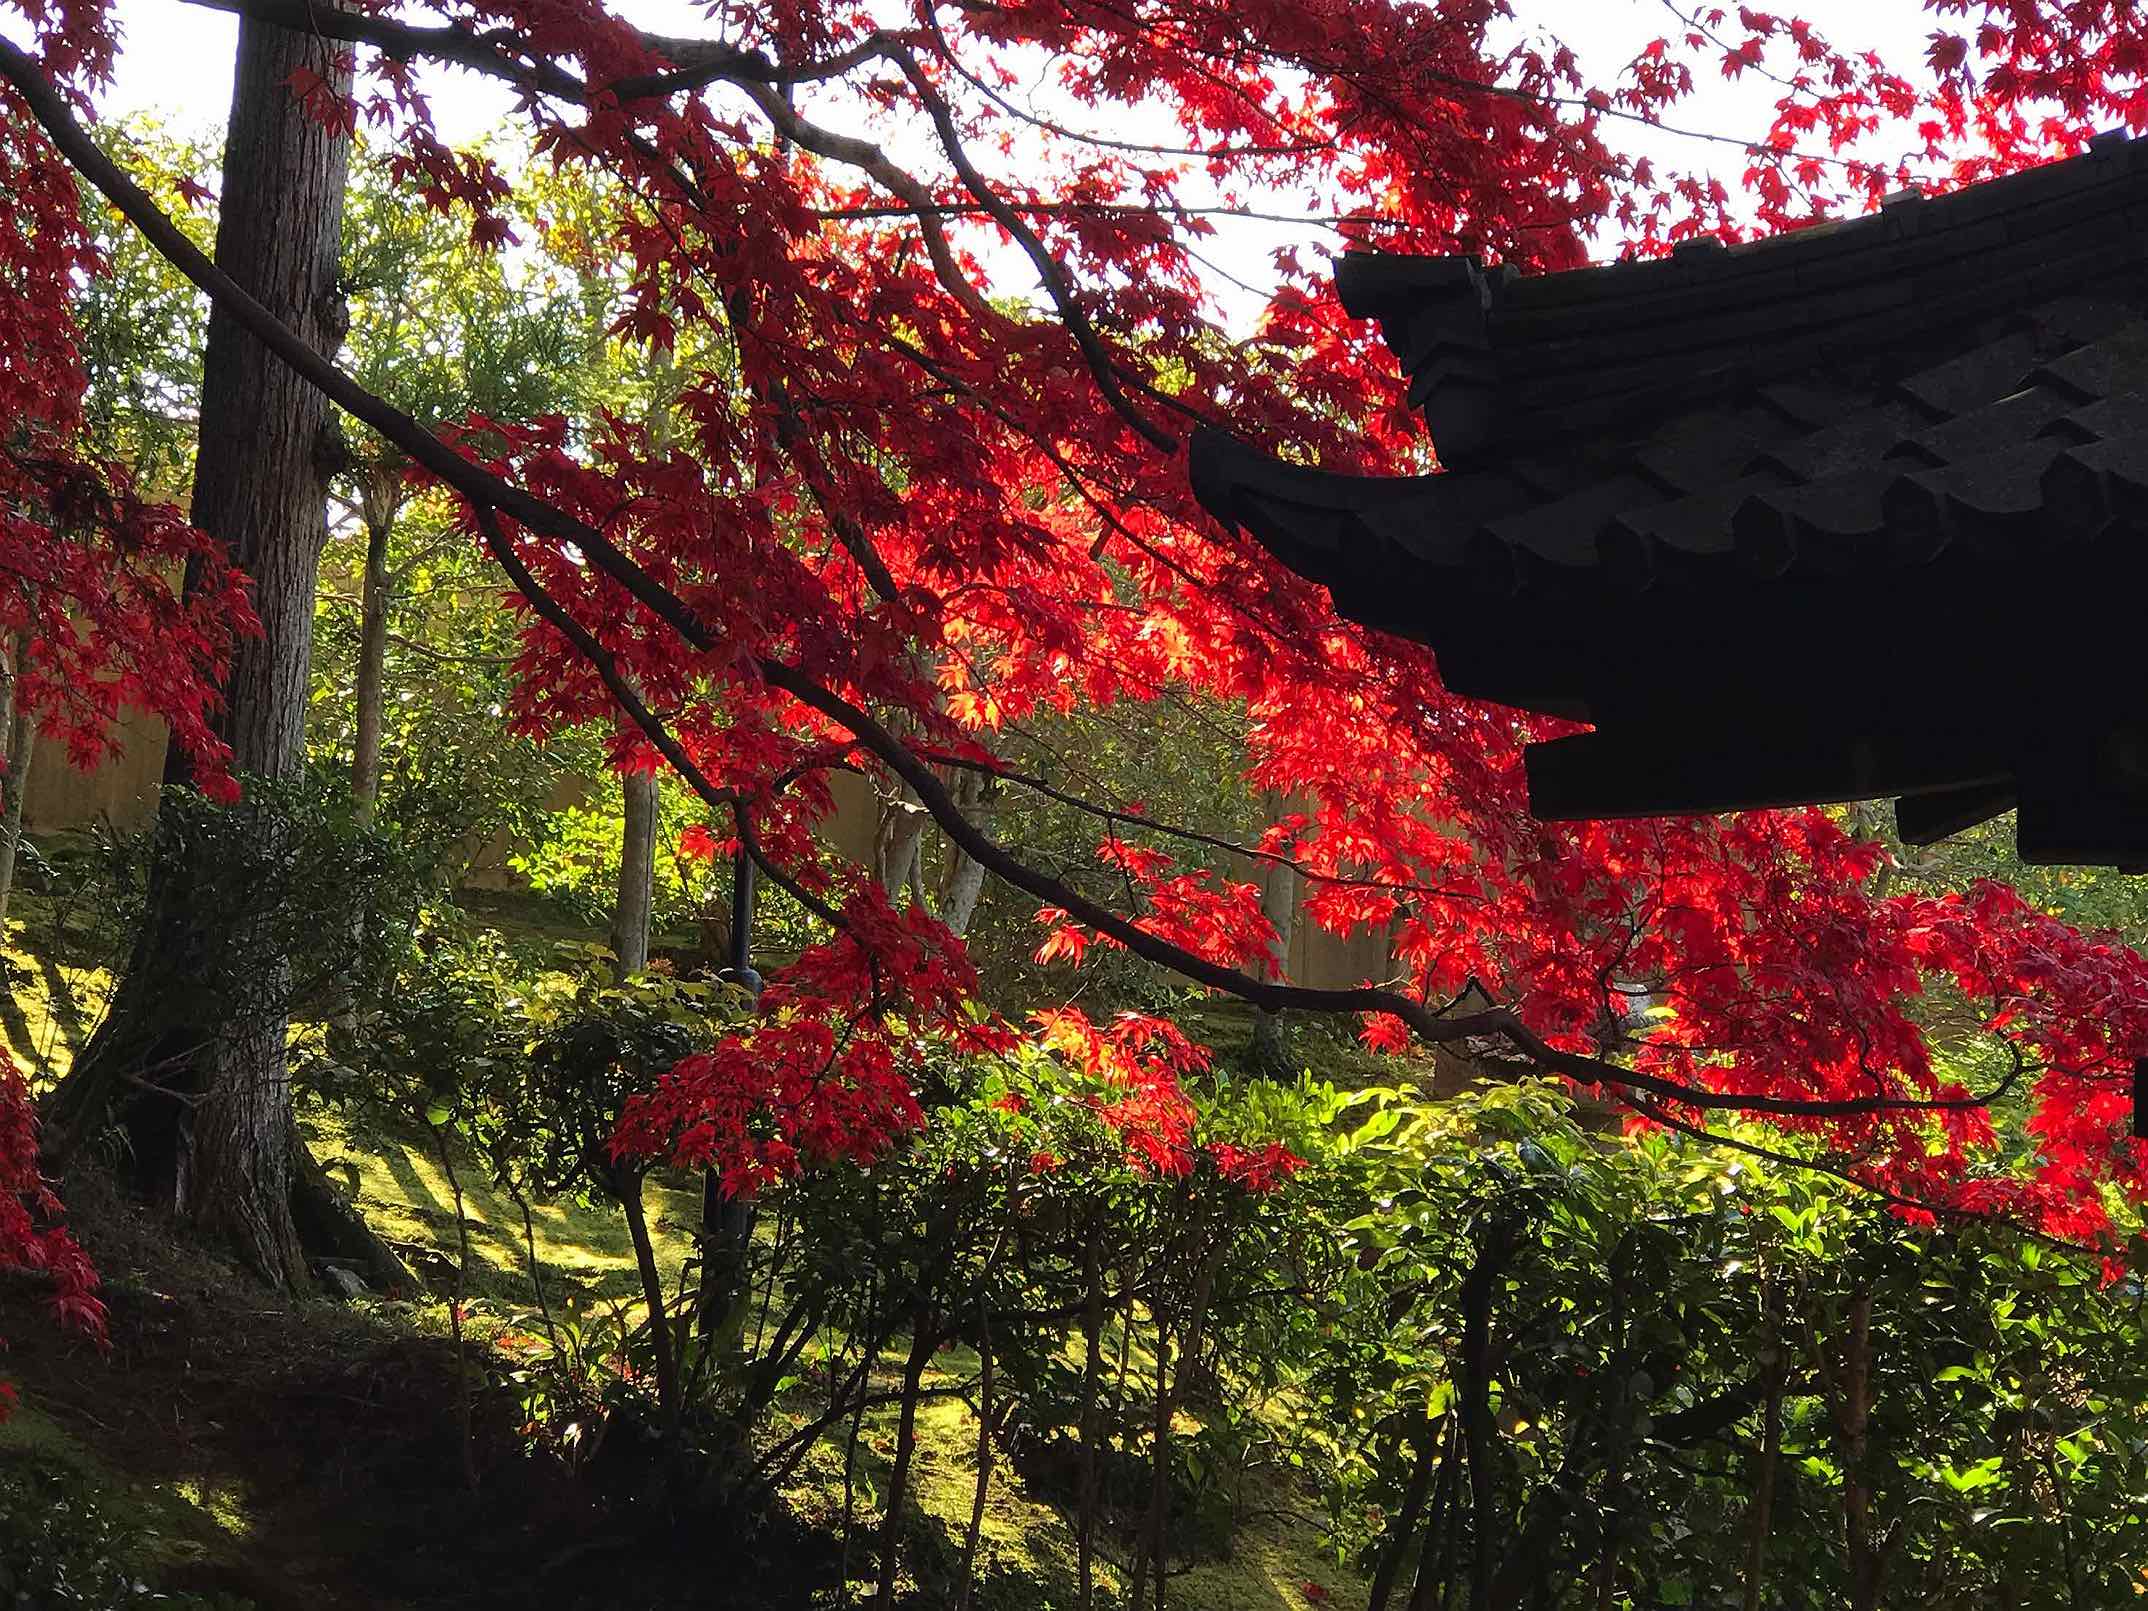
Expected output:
(1855, 511)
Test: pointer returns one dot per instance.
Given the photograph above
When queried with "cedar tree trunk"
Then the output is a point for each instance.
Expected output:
(201, 1014)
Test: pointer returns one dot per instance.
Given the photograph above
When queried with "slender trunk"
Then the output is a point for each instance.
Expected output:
(727, 1219)
(984, 1458)
(962, 880)
(638, 790)
(871, 1343)
(913, 1378)
(19, 731)
(1435, 1558)
(960, 892)
(1853, 1420)
(204, 1005)
(455, 1309)
(1279, 900)
(1092, 1371)
(1389, 1569)
(1147, 1550)
(652, 1292)
(637, 872)
(1771, 1445)
(1477, 1290)
(1189, 1359)
(379, 501)
(898, 842)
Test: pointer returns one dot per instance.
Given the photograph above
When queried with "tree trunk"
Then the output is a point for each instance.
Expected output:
(379, 500)
(899, 841)
(1771, 1444)
(922, 1338)
(1389, 1570)
(1475, 1382)
(982, 1491)
(629, 1191)
(202, 1010)
(637, 872)
(636, 901)
(1092, 1371)
(1443, 1534)
(962, 880)
(1279, 898)
(1848, 1375)
(19, 732)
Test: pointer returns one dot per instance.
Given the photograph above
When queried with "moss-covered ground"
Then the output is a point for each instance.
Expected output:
(307, 1453)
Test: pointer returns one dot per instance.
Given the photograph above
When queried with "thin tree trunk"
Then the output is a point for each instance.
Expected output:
(1389, 1569)
(19, 731)
(1092, 1371)
(1280, 890)
(455, 1309)
(1148, 1547)
(962, 880)
(204, 1004)
(637, 872)
(898, 842)
(1475, 1383)
(378, 500)
(913, 1378)
(638, 790)
(652, 1292)
(1435, 1557)
(984, 1458)
(1850, 1377)
(1771, 1444)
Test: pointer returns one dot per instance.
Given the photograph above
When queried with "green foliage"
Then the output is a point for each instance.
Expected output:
(141, 320)
(60, 1547)
(1975, 1399)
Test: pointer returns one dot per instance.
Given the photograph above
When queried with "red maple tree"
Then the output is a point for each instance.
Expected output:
(961, 256)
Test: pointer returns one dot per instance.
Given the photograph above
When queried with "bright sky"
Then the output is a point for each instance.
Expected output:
(177, 62)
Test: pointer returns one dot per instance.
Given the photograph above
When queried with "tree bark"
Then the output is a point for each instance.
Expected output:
(898, 842)
(1092, 1370)
(1389, 1570)
(1771, 1443)
(636, 901)
(1280, 892)
(982, 1491)
(19, 732)
(962, 880)
(922, 1339)
(1475, 1381)
(1848, 1375)
(637, 872)
(202, 1010)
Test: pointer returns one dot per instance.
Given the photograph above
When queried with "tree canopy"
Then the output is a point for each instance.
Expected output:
(941, 290)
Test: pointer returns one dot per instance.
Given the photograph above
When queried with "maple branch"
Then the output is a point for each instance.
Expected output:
(1192, 836)
(873, 162)
(1101, 364)
(491, 495)
(696, 63)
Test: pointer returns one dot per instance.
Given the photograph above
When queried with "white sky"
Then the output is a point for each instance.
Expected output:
(177, 63)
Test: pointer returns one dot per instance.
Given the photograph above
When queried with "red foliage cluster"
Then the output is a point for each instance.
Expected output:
(928, 495)
(32, 1236)
(90, 571)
